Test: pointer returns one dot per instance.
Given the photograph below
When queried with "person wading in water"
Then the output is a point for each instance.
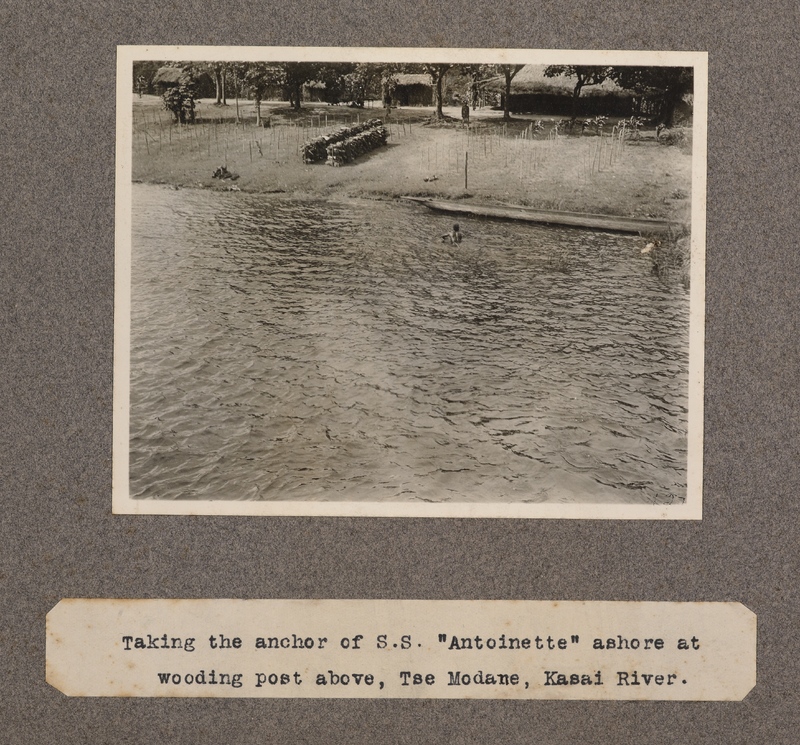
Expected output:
(454, 236)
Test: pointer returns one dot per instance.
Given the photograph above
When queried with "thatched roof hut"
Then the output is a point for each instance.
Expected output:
(410, 78)
(167, 77)
(412, 89)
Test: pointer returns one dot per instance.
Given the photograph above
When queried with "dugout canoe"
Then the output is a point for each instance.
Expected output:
(613, 223)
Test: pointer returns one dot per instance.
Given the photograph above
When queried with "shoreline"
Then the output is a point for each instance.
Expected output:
(502, 163)
(669, 232)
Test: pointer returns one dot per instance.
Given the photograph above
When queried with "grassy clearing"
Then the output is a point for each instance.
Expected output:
(507, 162)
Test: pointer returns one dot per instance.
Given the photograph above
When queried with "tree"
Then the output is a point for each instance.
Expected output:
(296, 74)
(437, 72)
(363, 82)
(388, 75)
(145, 70)
(584, 75)
(333, 76)
(509, 72)
(218, 71)
(260, 77)
(664, 85)
(475, 73)
(237, 71)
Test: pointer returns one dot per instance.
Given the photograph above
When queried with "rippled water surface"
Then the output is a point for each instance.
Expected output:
(288, 349)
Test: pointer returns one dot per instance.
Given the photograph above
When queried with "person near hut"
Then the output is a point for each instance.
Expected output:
(454, 236)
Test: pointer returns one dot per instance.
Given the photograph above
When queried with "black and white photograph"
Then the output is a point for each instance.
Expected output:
(409, 282)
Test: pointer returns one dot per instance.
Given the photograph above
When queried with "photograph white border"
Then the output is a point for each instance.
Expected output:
(122, 503)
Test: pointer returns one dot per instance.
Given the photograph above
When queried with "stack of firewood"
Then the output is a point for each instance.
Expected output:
(317, 149)
(349, 149)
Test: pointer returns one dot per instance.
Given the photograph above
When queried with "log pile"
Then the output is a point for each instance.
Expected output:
(317, 149)
(349, 149)
(346, 143)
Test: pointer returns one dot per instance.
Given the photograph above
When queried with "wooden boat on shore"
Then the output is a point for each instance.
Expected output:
(613, 223)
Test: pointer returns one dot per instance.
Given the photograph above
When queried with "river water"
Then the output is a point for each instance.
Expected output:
(286, 349)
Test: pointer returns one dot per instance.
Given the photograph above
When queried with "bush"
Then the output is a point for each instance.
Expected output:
(597, 123)
(632, 127)
(672, 136)
(180, 98)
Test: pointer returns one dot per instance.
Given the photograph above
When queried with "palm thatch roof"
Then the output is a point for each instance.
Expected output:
(167, 76)
(531, 80)
(407, 78)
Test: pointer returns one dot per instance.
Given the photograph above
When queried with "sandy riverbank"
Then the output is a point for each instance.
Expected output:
(507, 163)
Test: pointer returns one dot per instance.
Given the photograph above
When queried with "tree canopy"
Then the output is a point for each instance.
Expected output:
(658, 90)
(584, 75)
(665, 85)
(296, 75)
